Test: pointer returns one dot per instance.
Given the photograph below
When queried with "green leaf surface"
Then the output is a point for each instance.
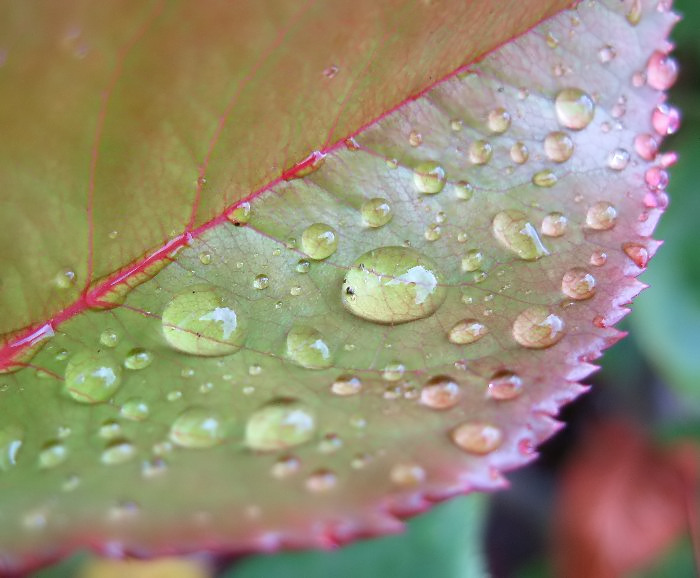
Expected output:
(295, 377)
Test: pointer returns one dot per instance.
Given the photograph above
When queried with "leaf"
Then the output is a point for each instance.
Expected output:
(269, 389)
(125, 121)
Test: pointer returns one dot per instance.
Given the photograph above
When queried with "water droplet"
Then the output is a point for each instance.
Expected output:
(551, 40)
(205, 258)
(306, 347)
(544, 178)
(407, 474)
(432, 232)
(440, 392)
(279, 425)
(464, 190)
(376, 212)
(321, 481)
(331, 71)
(203, 321)
(519, 153)
(456, 125)
(656, 179)
(135, 409)
(606, 54)
(118, 452)
(240, 214)
(665, 119)
(480, 152)
(319, 241)
(138, 358)
(303, 266)
(109, 338)
(598, 258)
(65, 279)
(110, 429)
(558, 146)
(346, 385)
(393, 285)
(330, 443)
(639, 78)
(92, 377)
(634, 14)
(638, 253)
(197, 427)
(499, 120)
(153, 468)
(505, 385)
(512, 229)
(255, 369)
(554, 224)
(477, 437)
(429, 177)
(393, 371)
(574, 108)
(285, 467)
(578, 284)
(618, 159)
(11, 439)
(415, 138)
(601, 216)
(645, 146)
(467, 331)
(294, 290)
(261, 281)
(662, 71)
(52, 454)
(537, 328)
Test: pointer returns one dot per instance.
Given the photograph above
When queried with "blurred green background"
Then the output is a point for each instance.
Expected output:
(651, 378)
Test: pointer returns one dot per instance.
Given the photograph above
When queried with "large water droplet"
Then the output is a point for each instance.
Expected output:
(558, 146)
(467, 331)
(662, 71)
(574, 108)
(197, 427)
(376, 212)
(477, 437)
(319, 241)
(601, 216)
(92, 377)
(578, 284)
(393, 285)
(440, 392)
(306, 347)
(203, 321)
(429, 177)
(512, 229)
(240, 215)
(537, 328)
(279, 425)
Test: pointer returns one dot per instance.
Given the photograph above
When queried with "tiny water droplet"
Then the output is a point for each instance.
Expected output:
(52, 454)
(376, 212)
(393, 285)
(202, 320)
(456, 125)
(477, 437)
(601, 216)
(432, 232)
(330, 443)
(415, 138)
(393, 371)
(512, 229)
(240, 214)
(598, 258)
(331, 71)
(205, 258)
(505, 385)
(645, 146)
(306, 347)
(638, 253)
(554, 224)
(345, 385)
(109, 338)
(138, 358)
(618, 159)
(537, 328)
(574, 108)
(92, 377)
(480, 152)
(407, 474)
(665, 119)
(118, 452)
(551, 40)
(319, 241)
(544, 178)
(429, 177)
(464, 190)
(519, 153)
(279, 425)
(578, 284)
(135, 409)
(656, 179)
(634, 13)
(303, 266)
(65, 279)
(558, 146)
(110, 429)
(261, 281)
(499, 120)
(662, 71)
(321, 481)
(294, 290)
(606, 54)
(467, 331)
(440, 392)
(11, 440)
(197, 427)
(285, 467)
